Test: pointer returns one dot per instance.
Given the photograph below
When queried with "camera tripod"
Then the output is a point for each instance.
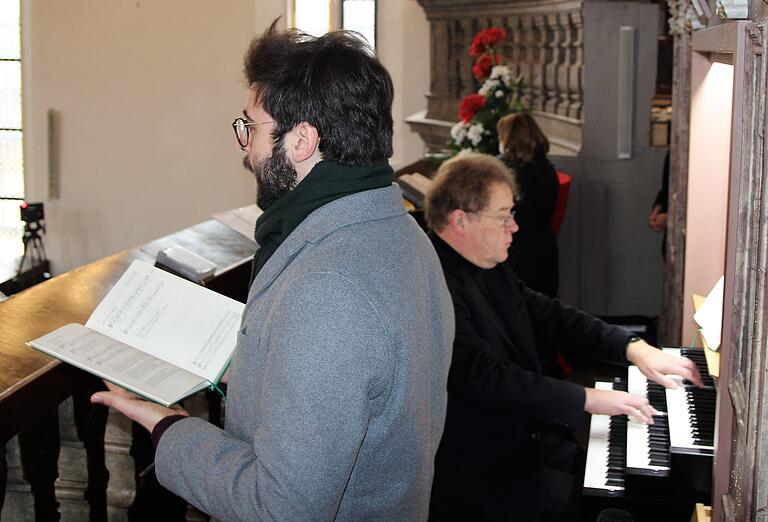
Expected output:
(34, 250)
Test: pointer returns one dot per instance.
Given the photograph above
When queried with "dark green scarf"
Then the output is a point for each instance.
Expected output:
(326, 182)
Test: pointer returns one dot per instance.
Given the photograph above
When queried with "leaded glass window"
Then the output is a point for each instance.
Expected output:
(11, 157)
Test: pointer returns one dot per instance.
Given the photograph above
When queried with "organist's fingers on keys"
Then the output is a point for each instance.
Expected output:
(659, 365)
(652, 469)
(616, 402)
(664, 368)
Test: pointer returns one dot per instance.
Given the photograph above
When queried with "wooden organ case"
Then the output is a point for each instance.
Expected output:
(726, 215)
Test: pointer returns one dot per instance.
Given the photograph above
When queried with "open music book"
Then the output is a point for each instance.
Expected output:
(154, 333)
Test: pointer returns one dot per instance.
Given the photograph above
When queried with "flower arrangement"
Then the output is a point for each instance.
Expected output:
(498, 96)
(681, 16)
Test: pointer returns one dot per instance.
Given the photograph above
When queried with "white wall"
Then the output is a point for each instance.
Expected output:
(708, 178)
(145, 93)
(403, 48)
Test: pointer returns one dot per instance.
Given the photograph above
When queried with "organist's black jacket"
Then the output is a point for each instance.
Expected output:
(507, 410)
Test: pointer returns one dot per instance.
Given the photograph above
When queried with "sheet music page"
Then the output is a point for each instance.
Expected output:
(119, 363)
(710, 315)
(171, 318)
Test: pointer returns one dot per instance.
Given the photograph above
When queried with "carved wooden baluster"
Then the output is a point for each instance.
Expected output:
(576, 68)
(73, 469)
(468, 85)
(566, 51)
(527, 47)
(439, 90)
(472, 27)
(19, 504)
(504, 50)
(511, 55)
(553, 55)
(455, 67)
(538, 62)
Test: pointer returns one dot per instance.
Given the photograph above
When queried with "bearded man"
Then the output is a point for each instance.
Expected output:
(337, 389)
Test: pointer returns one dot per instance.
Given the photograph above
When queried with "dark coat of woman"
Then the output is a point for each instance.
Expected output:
(533, 255)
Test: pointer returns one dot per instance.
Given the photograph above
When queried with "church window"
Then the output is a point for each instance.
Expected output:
(11, 157)
(317, 17)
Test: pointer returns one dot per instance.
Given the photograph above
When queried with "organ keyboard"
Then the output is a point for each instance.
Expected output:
(648, 444)
(604, 472)
(692, 412)
(639, 467)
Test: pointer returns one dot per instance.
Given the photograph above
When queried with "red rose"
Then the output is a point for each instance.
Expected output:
(483, 66)
(486, 38)
(470, 105)
(477, 48)
(493, 35)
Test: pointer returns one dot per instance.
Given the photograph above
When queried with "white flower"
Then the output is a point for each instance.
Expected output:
(489, 85)
(459, 132)
(501, 72)
(499, 93)
(682, 17)
(475, 133)
(464, 152)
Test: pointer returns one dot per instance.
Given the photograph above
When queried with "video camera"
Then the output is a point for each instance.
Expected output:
(38, 267)
(31, 212)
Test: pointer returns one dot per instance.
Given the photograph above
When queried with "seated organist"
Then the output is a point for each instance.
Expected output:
(508, 452)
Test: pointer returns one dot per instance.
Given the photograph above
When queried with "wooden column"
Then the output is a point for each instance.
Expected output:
(740, 490)
(670, 327)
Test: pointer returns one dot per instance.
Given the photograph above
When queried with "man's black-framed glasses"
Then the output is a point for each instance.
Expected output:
(242, 131)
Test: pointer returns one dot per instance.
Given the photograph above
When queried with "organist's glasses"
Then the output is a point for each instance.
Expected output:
(505, 221)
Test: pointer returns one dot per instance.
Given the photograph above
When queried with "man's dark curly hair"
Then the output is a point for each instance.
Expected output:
(333, 82)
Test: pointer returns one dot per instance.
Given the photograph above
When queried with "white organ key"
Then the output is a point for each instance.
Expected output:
(639, 433)
(596, 471)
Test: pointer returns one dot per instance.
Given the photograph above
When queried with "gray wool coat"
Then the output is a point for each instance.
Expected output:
(337, 390)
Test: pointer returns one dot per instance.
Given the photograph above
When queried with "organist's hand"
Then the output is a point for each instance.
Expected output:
(614, 402)
(134, 407)
(658, 365)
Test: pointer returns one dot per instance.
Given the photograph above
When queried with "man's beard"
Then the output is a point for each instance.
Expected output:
(275, 176)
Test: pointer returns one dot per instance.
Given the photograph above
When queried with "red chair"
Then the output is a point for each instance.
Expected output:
(562, 201)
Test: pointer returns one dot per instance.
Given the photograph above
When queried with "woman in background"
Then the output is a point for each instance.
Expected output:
(533, 254)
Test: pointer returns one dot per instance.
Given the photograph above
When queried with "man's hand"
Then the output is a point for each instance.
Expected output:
(658, 219)
(135, 408)
(614, 402)
(658, 365)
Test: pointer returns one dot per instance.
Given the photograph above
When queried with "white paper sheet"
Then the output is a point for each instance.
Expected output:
(710, 316)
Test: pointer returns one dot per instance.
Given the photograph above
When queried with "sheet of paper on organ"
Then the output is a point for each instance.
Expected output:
(710, 316)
